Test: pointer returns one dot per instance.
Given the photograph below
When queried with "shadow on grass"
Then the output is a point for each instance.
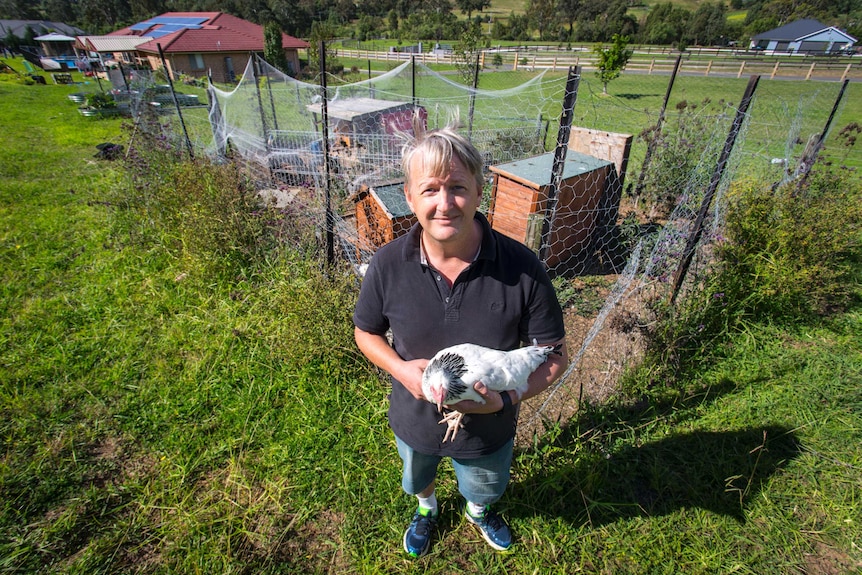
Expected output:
(600, 479)
(629, 96)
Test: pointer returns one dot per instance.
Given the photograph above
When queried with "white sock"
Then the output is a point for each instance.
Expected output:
(475, 509)
(429, 502)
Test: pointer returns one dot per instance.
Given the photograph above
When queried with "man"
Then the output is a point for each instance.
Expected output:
(450, 280)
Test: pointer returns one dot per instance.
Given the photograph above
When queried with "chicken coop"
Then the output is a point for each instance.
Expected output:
(607, 146)
(381, 213)
(519, 205)
(367, 122)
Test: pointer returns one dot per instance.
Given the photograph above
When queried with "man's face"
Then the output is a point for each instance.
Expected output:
(444, 205)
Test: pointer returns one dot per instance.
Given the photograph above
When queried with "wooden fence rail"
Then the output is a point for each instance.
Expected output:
(730, 65)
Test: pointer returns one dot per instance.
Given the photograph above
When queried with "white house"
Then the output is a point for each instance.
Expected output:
(805, 37)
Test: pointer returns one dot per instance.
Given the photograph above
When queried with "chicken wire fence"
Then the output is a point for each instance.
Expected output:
(609, 195)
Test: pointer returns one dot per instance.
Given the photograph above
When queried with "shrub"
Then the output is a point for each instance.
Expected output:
(683, 154)
(786, 257)
(100, 101)
(788, 250)
(205, 212)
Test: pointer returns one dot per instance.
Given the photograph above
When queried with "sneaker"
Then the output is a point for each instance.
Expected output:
(493, 528)
(417, 538)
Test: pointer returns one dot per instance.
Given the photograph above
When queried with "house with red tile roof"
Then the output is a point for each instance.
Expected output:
(198, 43)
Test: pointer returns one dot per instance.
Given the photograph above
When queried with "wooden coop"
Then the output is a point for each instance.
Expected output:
(362, 121)
(587, 201)
(381, 213)
(607, 146)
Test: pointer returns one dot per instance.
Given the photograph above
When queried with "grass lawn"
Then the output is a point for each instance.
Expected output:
(158, 419)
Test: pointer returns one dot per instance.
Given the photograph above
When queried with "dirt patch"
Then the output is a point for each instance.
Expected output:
(317, 545)
(599, 351)
(825, 560)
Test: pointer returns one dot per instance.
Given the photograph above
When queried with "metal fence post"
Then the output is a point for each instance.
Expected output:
(696, 231)
(569, 100)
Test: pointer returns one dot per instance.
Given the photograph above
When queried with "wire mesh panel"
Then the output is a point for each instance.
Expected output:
(614, 235)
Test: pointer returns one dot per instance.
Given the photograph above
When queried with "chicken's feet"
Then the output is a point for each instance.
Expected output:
(453, 420)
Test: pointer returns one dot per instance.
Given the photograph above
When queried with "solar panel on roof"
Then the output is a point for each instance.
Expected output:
(160, 33)
(181, 20)
(140, 26)
(176, 27)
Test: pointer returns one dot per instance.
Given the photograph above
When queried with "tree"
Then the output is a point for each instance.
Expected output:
(708, 24)
(602, 18)
(12, 42)
(295, 17)
(617, 20)
(469, 6)
(570, 10)
(392, 21)
(29, 37)
(321, 32)
(18, 10)
(542, 14)
(143, 9)
(60, 10)
(273, 47)
(466, 49)
(432, 19)
(612, 61)
(102, 16)
(665, 24)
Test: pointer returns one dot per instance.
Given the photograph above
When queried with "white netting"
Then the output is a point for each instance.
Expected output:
(612, 234)
(276, 120)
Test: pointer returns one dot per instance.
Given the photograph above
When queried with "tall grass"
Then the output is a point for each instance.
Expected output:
(181, 403)
(789, 256)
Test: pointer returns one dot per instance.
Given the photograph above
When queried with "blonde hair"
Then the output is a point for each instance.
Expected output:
(437, 148)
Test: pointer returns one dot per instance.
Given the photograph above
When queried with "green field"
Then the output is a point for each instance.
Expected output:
(162, 412)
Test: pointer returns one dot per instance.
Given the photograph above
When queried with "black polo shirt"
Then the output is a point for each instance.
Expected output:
(503, 299)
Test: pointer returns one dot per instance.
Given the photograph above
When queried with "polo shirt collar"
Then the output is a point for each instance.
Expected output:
(487, 251)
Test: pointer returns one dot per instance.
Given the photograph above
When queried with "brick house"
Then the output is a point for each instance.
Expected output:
(195, 43)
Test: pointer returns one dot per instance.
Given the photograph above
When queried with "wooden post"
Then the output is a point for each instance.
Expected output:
(515, 65)
(775, 70)
(846, 71)
(810, 71)
(708, 67)
(651, 66)
(741, 68)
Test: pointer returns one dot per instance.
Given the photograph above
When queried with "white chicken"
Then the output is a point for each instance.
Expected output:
(451, 373)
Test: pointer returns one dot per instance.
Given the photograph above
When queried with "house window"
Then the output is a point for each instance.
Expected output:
(196, 61)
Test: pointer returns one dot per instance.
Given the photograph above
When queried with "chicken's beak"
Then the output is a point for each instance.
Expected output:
(440, 396)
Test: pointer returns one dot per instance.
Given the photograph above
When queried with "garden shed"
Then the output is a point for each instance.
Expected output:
(382, 213)
(519, 202)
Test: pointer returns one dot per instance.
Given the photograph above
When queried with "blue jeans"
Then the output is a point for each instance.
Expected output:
(481, 480)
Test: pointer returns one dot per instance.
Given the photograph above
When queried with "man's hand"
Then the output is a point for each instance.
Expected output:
(493, 401)
(409, 373)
